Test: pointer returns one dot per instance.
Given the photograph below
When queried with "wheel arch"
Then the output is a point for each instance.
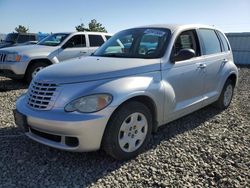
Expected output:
(148, 102)
(232, 77)
(144, 99)
(33, 61)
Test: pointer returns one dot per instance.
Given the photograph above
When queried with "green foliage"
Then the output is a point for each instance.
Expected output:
(81, 27)
(21, 29)
(93, 26)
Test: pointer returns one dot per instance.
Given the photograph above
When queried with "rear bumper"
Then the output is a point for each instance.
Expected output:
(67, 131)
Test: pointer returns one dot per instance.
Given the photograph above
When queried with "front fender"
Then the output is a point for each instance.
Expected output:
(125, 88)
(122, 89)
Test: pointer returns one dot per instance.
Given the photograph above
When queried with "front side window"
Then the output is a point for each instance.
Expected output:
(210, 41)
(95, 40)
(136, 43)
(54, 39)
(76, 41)
(187, 40)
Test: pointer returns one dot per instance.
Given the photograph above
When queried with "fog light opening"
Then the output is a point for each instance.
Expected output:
(71, 141)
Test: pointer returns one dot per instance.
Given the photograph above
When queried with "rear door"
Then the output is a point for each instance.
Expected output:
(186, 78)
(74, 47)
(95, 41)
(214, 59)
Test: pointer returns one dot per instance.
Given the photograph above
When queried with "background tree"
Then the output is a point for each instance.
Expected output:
(21, 29)
(81, 27)
(96, 26)
(93, 26)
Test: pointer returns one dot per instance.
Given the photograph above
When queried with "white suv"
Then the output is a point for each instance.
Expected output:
(26, 61)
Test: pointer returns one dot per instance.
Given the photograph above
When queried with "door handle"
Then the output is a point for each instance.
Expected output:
(224, 60)
(202, 66)
(83, 52)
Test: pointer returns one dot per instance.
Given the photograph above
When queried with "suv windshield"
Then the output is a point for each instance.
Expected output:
(11, 37)
(136, 43)
(54, 39)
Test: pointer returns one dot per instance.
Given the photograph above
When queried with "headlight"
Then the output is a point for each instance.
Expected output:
(13, 57)
(88, 104)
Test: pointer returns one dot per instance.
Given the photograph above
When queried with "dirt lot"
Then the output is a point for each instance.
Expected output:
(208, 148)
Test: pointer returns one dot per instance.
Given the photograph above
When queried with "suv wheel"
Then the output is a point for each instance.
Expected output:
(226, 95)
(33, 70)
(128, 131)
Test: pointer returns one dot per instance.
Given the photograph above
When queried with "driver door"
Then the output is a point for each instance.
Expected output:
(73, 48)
(185, 77)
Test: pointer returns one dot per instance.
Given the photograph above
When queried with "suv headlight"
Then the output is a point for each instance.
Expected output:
(14, 57)
(89, 104)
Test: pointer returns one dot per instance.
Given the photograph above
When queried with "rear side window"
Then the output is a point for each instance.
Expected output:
(210, 40)
(224, 42)
(76, 41)
(187, 40)
(32, 38)
(108, 37)
(25, 38)
(95, 40)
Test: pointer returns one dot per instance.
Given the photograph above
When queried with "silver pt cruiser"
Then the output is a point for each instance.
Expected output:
(138, 80)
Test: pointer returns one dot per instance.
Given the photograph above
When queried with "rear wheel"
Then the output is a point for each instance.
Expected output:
(128, 131)
(226, 95)
(33, 70)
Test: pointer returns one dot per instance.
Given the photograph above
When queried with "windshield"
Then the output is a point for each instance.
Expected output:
(54, 39)
(136, 43)
(11, 37)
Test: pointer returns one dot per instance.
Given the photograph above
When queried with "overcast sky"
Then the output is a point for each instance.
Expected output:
(115, 15)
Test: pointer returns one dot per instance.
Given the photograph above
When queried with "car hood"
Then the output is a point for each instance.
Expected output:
(31, 50)
(95, 68)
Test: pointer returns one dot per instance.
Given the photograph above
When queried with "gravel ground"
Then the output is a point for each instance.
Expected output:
(208, 148)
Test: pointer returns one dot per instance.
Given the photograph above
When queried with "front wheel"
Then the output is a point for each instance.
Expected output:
(33, 70)
(128, 131)
(226, 95)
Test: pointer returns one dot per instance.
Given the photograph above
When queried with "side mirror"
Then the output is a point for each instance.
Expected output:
(183, 54)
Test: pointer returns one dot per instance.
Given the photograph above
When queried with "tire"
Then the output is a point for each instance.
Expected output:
(226, 95)
(32, 68)
(133, 123)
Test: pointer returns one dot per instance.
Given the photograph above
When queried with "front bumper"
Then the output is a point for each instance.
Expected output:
(13, 69)
(68, 131)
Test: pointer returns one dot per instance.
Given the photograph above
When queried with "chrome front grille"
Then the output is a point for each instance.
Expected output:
(42, 96)
(2, 57)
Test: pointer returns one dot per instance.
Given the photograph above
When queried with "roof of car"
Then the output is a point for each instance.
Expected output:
(83, 32)
(174, 27)
(91, 32)
(171, 27)
(22, 33)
